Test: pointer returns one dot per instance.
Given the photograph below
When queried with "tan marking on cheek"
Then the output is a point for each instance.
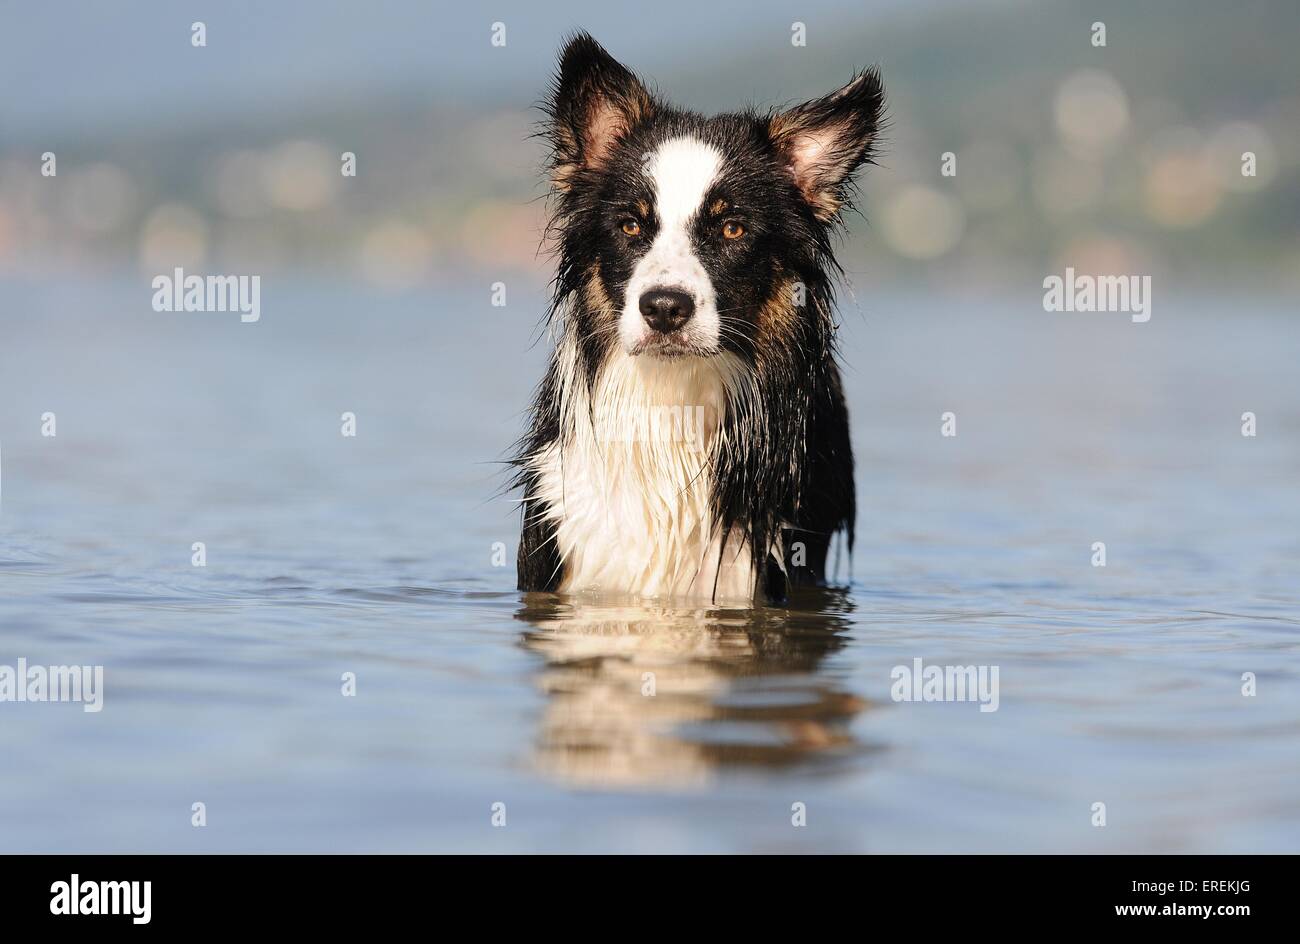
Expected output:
(597, 299)
(779, 315)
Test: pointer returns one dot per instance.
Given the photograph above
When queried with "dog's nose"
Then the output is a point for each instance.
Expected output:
(666, 309)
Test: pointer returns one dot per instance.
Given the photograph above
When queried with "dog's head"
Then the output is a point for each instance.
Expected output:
(686, 235)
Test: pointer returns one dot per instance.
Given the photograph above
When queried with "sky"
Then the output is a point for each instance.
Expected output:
(90, 63)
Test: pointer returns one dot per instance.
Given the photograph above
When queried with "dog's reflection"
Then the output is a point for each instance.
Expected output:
(656, 696)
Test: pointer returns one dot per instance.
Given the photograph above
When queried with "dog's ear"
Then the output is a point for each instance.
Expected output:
(823, 142)
(594, 102)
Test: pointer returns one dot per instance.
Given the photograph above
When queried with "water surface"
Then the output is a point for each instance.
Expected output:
(375, 555)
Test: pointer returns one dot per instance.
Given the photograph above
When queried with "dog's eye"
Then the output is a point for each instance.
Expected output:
(732, 230)
(631, 228)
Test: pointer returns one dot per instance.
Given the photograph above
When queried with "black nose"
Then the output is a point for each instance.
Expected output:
(666, 309)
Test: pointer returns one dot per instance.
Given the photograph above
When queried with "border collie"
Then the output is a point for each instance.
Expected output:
(690, 439)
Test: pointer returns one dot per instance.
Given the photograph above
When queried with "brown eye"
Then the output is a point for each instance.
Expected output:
(732, 230)
(631, 227)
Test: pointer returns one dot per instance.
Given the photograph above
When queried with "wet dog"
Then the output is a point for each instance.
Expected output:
(690, 438)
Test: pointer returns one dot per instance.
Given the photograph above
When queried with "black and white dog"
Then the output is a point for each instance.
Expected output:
(690, 439)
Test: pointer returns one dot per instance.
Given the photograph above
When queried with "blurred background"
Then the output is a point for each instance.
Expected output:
(1125, 158)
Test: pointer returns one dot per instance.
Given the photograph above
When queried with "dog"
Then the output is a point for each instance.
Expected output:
(690, 439)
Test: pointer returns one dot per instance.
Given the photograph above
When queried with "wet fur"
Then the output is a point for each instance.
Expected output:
(778, 463)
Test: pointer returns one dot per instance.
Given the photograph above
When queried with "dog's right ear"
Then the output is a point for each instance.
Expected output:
(594, 102)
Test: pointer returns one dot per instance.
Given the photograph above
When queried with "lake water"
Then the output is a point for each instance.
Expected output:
(373, 555)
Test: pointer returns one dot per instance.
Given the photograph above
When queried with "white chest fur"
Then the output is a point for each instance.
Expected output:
(627, 485)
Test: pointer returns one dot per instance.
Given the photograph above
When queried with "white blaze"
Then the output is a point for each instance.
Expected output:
(682, 170)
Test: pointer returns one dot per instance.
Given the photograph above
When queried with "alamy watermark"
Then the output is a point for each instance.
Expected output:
(74, 683)
(1127, 293)
(921, 682)
(675, 423)
(181, 292)
(80, 897)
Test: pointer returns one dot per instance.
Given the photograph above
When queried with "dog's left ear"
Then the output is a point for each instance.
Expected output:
(823, 142)
(595, 101)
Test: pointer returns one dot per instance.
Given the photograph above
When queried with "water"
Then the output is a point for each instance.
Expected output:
(374, 555)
